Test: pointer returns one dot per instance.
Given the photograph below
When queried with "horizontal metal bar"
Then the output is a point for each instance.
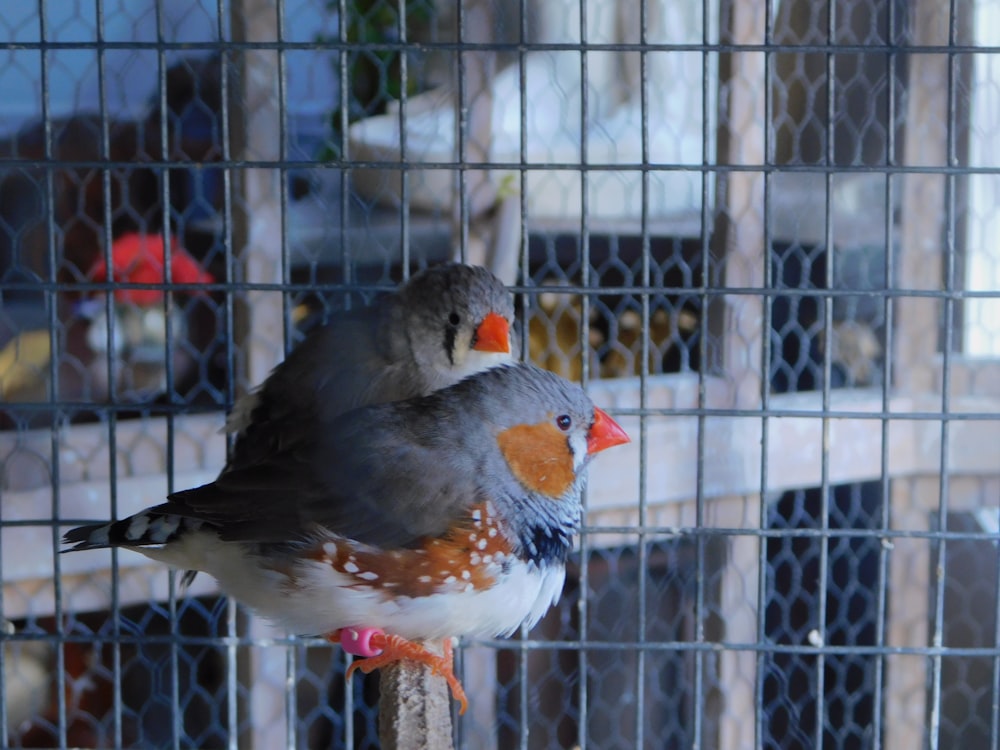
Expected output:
(532, 645)
(703, 167)
(464, 46)
(678, 532)
(69, 407)
(609, 290)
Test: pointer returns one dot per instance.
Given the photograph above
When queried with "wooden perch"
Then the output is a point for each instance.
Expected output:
(414, 708)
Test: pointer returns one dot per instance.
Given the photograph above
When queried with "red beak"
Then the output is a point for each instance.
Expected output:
(493, 334)
(604, 433)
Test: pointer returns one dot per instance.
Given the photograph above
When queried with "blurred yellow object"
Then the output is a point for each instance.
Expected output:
(624, 357)
(300, 313)
(24, 364)
(554, 333)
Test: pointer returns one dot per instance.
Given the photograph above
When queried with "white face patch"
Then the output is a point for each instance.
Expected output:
(470, 361)
(578, 447)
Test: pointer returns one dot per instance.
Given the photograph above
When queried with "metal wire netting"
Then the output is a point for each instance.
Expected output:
(762, 234)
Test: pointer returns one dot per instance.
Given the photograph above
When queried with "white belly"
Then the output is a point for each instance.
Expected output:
(323, 600)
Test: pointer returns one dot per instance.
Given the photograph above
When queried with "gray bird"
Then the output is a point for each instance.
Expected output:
(449, 321)
(446, 515)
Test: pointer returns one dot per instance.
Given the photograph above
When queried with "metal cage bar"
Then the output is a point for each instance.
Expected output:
(791, 534)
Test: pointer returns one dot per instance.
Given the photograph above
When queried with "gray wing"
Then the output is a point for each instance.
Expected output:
(378, 475)
(352, 361)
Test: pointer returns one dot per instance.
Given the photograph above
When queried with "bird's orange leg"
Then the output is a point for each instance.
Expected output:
(394, 648)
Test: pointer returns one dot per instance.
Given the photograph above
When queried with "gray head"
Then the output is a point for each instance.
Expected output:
(529, 435)
(458, 321)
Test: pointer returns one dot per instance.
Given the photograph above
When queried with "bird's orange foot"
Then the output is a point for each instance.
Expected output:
(394, 648)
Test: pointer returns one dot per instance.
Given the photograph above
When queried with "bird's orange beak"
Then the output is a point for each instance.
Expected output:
(493, 335)
(605, 433)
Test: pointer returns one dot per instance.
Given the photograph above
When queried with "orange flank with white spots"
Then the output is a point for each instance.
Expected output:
(540, 457)
(461, 560)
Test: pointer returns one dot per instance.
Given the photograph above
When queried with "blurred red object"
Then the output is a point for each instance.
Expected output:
(138, 259)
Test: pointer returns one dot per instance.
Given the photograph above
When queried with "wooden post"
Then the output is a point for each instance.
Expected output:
(915, 350)
(922, 213)
(414, 709)
(909, 612)
(741, 141)
(255, 134)
(741, 197)
(255, 131)
(494, 216)
(474, 98)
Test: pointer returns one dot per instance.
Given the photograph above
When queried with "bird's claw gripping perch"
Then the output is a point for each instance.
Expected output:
(378, 649)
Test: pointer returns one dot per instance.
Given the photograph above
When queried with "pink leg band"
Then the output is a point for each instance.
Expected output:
(358, 641)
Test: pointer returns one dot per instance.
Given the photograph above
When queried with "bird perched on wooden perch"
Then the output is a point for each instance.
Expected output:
(447, 322)
(446, 515)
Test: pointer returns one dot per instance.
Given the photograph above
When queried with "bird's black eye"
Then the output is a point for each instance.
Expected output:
(564, 422)
(454, 318)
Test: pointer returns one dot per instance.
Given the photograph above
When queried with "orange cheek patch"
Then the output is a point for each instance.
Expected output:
(462, 559)
(538, 455)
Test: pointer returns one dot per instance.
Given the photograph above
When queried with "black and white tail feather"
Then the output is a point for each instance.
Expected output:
(145, 529)
(149, 527)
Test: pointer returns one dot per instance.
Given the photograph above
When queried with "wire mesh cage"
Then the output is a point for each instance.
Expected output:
(763, 235)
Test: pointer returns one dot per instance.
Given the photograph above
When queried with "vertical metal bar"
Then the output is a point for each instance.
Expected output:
(290, 645)
(404, 174)
(761, 717)
(347, 265)
(887, 317)
(225, 98)
(585, 363)
(523, 174)
(343, 149)
(57, 412)
(703, 336)
(286, 265)
(291, 679)
(232, 674)
(522, 653)
(346, 260)
(825, 539)
(641, 540)
(177, 717)
(461, 136)
(168, 276)
(112, 414)
(940, 567)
